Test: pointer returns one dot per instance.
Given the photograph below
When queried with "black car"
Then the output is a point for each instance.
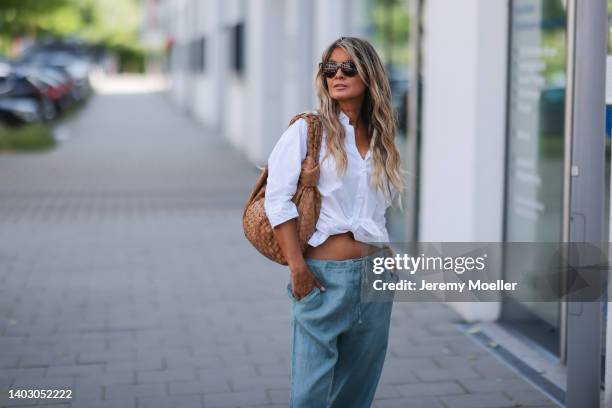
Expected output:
(22, 99)
(65, 60)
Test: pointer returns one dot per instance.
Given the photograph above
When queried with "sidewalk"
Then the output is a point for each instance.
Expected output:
(125, 277)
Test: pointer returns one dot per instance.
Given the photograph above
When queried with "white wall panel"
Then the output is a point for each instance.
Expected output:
(462, 171)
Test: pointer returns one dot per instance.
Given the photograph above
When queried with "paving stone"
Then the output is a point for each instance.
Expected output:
(460, 361)
(44, 359)
(176, 401)
(429, 389)
(164, 376)
(494, 369)
(53, 405)
(9, 361)
(280, 396)
(152, 364)
(108, 378)
(18, 403)
(5, 385)
(416, 402)
(395, 373)
(22, 374)
(411, 351)
(227, 372)
(484, 400)
(273, 406)
(45, 383)
(465, 347)
(385, 391)
(528, 397)
(125, 401)
(236, 399)
(260, 383)
(200, 386)
(544, 406)
(438, 374)
(410, 363)
(101, 357)
(273, 369)
(75, 370)
(495, 384)
(88, 391)
(120, 391)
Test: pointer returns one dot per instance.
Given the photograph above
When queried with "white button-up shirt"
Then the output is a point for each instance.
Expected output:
(349, 203)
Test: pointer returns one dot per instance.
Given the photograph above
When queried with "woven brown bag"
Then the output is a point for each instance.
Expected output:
(257, 227)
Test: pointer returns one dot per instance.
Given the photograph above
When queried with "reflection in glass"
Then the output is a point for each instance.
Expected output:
(390, 34)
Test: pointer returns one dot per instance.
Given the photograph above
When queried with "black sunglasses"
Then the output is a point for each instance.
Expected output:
(329, 69)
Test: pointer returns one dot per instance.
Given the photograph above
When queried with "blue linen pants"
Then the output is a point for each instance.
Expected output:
(339, 343)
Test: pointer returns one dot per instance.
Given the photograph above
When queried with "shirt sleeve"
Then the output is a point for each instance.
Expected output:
(284, 167)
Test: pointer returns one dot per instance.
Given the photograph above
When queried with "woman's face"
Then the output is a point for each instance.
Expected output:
(340, 86)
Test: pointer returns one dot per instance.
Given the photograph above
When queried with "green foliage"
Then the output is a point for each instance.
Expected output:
(116, 26)
(112, 23)
(391, 29)
(95, 19)
(131, 59)
(22, 17)
(26, 138)
(553, 9)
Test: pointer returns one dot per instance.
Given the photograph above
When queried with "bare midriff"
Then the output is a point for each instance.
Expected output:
(340, 247)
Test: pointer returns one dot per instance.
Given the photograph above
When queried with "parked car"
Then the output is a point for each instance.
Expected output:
(58, 86)
(22, 100)
(49, 78)
(77, 68)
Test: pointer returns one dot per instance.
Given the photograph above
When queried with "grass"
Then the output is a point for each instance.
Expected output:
(33, 137)
(36, 136)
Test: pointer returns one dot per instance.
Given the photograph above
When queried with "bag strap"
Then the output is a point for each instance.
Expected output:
(315, 133)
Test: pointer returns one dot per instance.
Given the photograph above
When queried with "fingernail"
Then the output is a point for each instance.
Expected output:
(323, 288)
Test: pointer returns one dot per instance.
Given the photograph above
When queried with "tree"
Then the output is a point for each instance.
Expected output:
(20, 17)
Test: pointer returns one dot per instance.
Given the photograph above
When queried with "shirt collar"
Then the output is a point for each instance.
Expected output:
(344, 119)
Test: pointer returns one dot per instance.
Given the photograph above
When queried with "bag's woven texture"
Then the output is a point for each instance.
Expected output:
(257, 227)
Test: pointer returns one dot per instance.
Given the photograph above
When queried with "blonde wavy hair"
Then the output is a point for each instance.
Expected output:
(376, 112)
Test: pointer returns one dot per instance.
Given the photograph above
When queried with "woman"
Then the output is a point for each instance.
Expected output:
(339, 343)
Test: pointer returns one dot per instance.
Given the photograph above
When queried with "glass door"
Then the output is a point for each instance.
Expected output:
(535, 155)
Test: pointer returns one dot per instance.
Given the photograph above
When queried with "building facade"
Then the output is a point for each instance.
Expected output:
(244, 68)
